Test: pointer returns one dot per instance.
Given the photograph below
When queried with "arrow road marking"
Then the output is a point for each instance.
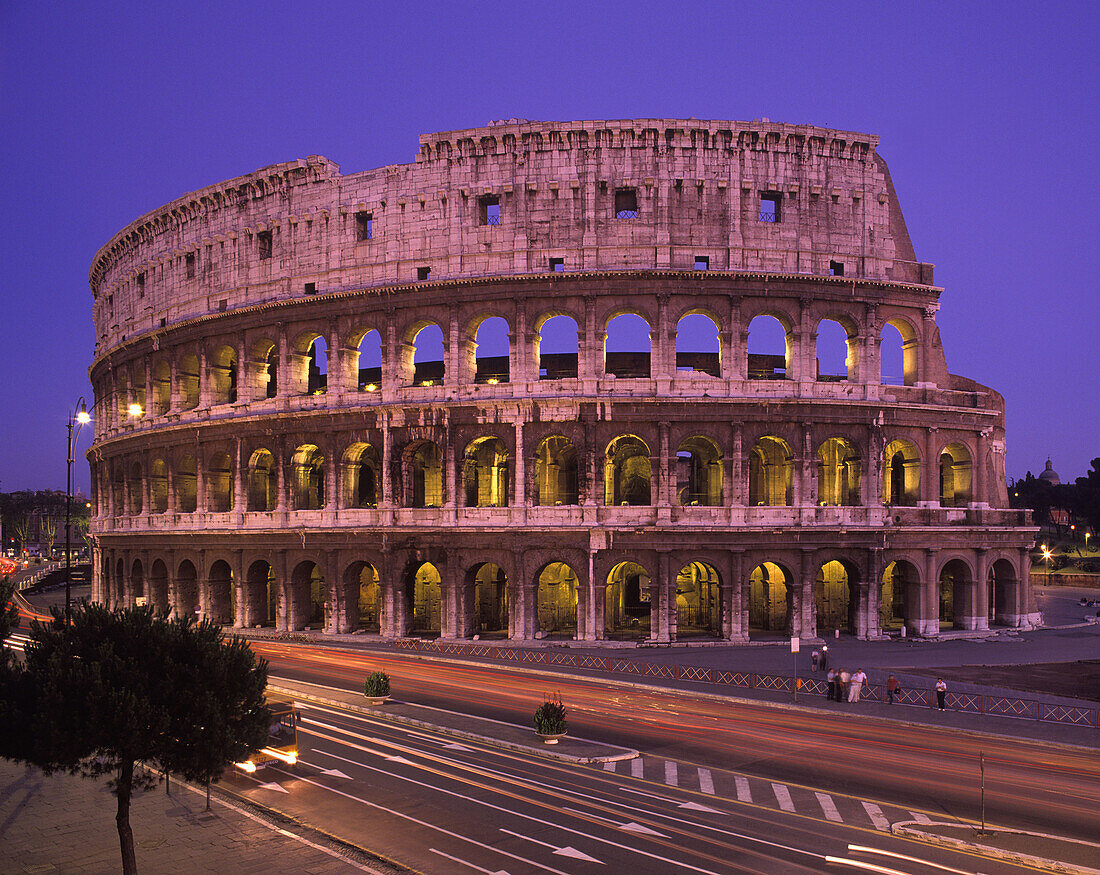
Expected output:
(335, 773)
(695, 806)
(564, 852)
(454, 746)
(278, 788)
(468, 863)
(643, 830)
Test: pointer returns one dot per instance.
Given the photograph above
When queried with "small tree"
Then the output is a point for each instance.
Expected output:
(20, 531)
(9, 613)
(117, 688)
(49, 535)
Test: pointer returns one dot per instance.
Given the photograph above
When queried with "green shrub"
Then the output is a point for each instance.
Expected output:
(377, 684)
(550, 717)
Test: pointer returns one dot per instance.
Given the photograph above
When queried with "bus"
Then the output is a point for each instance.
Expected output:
(282, 737)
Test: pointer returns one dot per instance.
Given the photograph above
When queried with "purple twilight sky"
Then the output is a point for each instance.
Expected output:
(987, 114)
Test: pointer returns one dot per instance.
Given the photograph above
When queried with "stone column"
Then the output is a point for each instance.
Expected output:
(285, 612)
(930, 471)
(871, 623)
(740, 492)
(978, 490)
(930, 597)
(520, 486)
(735, 625)
(662, 615)
(806, 603)
(664, 476)
(979, 597)
(595, 631)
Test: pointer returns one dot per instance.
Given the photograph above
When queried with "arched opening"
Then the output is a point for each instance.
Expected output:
(123, 595)
(187, 590)
(836, 596)
(368, 357)
(627, 346)
(697, 346)
(187, 484)
(317, 369)
(158, 486)
(223, 376)
(262, 481)
(137, 388)
(770, 598)
(699, 473)
(770, 473)
(838, 474)
(490, 599)
(134, 487)
(122, 399)
(1003, 585)
(360, 476)
(837, 352)
(899, 600)
(901, 474)
(898, 354)
(425, 478)
(187, 376)
(491, 351)
(955, 595)
(769, 349)
(556, 472)
(485, 473)
(162, 387)
(363, 596)
(118, 486)
(262, 595)
(956, 473)
(698, 605)
(429, 368)
(271, 372)
(626, 602)
(308, 597)
(137, 582)
(158, 586)
(219, 483)
(308, 480)
(627, 472)
(556, 348)
(556, 595)
(220, 604)
(424, 587)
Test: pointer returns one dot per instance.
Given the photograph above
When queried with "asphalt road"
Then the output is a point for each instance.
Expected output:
(1029, 784)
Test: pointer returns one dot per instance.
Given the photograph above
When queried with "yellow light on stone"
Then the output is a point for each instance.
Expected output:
(371, 387)
(492, 381)
(135, 410)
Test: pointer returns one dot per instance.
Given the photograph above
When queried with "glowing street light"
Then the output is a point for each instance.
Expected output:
(77, 418)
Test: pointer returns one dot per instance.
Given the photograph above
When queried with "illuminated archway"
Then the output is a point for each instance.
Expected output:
(424, 589)
(836, 597)
(770, 598)
(698, 603)
(556, 595)
(627, 472)
(627, 602)
(490, 599)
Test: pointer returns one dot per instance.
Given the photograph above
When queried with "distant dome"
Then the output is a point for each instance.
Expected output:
(1050, 475)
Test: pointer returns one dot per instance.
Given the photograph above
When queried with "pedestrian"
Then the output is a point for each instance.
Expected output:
(815, 658)
(857, 684)
(824, 656)
(892, 689)
(941, 693)
(832, 684)
(845, 680)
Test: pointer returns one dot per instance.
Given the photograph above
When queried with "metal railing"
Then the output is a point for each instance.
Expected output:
(626, 214)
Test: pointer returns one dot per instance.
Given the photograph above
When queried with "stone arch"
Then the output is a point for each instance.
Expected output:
(362, 596)
(220, 591)
(556, 472)
(557, 346)
(219, 483)
(307, 597)
(423, 475)
(123, 595)
(136, 588)
(626, 612)
(134, 486)
(698, 601)
(162, 387)
(427, 354)
(836, 597)
(424, 591)
(186, 483)
(186, 601)
(898, 346)
(158, 486)
(307, 467)
(1004, 594)
(317, 367)
(900, 597)
(556, 600)
(157, 586)
(771, 598)
(262, 481)
(187, 379)
(365, 360)
(698, 472)
(770, 347)
(837, 353)
(956, 475)
(492, 348)
(956, 595)
(771, 472)
(627, 472)
(263, 381)
(838, 473)
(261, 603)
(122, 397)
(118, 485)
(627, 346)
(901, 473)
(137, 388)
(222, 369)
(487, 594)
(485, 473)
(698, 349)
(360, 475)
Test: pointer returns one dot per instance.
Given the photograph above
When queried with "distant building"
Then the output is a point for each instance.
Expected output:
(1049, 475)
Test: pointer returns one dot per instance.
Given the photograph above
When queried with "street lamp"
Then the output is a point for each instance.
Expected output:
(77, 418)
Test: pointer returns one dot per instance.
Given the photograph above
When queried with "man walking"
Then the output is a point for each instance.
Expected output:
(941, 693)
(844, 679)
(832, 684)
(857, 684)
(892, 689)
(815, 658)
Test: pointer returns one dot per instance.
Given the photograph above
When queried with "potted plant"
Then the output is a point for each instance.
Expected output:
(376, 688)
(550, 720)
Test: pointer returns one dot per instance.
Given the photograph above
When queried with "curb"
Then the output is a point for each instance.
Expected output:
(903, 828)
(626, 753)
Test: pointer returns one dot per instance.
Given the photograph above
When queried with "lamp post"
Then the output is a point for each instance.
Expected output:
(76, 418)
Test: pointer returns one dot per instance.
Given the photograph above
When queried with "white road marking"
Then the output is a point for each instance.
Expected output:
(468, 863)
(335, 773)
(695, 806)
(453, 746)
(636, 767)
(920, 818)
(829, 807)
(271, 785)
(783, 796)
(642, 830)
(876, 815)
(706, 782)
(744, 792)
(609, 767)
(567, 851)
(671, 776)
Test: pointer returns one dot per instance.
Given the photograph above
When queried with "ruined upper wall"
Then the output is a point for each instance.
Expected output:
(698, 187)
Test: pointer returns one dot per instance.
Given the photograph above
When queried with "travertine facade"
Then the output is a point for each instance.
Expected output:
(276, 444)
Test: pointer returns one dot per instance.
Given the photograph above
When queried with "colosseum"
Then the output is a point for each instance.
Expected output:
(653, 380)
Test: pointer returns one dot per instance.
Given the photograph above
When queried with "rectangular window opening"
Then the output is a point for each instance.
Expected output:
(836, 268)
(557, 265)
(263, 241)
(489, 207)
(223, 305)
(702, 262)
(364, 226)
(189, 261)
(769, 206)
(311, 288)
(423, 273)
(626, 203)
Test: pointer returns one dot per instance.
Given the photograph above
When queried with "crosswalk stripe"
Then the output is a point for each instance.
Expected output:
(876, 815)
(706, 782)
(609, 766)
(744, 791)
(636, 767)
(829, 807)
(920, 818)
(671, 776)
(783, 796)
